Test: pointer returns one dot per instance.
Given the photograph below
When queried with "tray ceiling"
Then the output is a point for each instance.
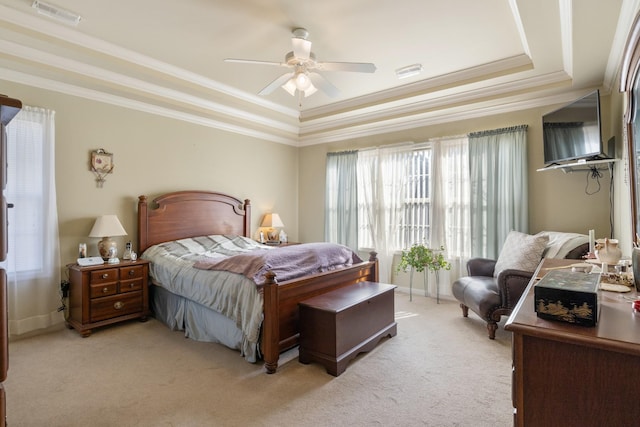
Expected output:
(167, 58)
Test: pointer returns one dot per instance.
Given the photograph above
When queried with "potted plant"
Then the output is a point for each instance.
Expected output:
(420, 258)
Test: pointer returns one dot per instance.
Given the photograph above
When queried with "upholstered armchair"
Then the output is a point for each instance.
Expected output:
(494, 287)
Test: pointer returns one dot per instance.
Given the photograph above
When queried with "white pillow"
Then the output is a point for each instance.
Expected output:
(521, 252)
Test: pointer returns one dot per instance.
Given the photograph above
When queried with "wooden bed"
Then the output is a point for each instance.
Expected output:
(186, 214)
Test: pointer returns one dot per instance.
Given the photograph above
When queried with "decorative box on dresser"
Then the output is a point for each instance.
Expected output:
(104, 294)
(9, 107)
(565, 374)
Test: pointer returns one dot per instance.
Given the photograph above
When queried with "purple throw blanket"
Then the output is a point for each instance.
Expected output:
(287, 263)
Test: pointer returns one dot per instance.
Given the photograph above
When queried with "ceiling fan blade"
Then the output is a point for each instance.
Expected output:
(358, 67)
(251, 61)
(276, 84)
(301, 48)
(324, 85)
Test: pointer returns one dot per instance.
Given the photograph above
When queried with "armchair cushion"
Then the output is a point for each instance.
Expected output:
(521, 252)
(479, 293)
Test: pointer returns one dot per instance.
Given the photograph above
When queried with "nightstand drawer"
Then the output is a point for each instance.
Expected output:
(131, 285)
(116, 305)
(104, 276)
(103, 289)
(128, 273)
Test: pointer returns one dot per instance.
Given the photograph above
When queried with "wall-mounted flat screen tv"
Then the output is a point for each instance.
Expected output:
(573, 132)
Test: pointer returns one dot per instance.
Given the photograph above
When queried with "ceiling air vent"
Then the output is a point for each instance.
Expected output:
(57, 13)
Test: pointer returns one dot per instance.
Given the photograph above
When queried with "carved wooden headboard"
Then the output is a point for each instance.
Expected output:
(183, 214)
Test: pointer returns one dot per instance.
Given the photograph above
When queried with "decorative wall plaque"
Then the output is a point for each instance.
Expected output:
(101, 165)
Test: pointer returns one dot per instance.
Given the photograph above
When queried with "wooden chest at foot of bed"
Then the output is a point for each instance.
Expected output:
(335, 327)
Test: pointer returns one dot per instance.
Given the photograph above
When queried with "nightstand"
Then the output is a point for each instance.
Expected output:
(104, 294)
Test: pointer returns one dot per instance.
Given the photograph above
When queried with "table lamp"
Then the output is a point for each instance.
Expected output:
(271, 221)
(107, 226)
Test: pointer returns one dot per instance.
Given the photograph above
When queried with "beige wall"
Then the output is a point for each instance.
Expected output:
(154, 155)
(557, 201)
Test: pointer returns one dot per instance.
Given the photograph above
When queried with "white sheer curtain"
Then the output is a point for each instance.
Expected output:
(498, 160)
(33, 261)
(341, 201)
(382, 178)
(450, 207)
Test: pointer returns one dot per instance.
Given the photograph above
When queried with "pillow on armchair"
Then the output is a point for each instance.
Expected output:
(521, 252)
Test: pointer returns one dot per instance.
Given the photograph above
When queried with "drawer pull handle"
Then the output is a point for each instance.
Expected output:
(132, 273)
(119, 305)
(105, 290)
(132, 285)
(105, 275)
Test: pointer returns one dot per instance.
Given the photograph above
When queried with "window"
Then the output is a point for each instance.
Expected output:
(25, 182)
(416, 219)
(394, 197)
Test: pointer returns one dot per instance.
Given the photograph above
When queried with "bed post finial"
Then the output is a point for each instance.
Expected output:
(247, 218)
(142, 223)
(373, 255)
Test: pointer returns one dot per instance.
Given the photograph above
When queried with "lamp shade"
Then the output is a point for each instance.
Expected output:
(272, 220)
(107, 226)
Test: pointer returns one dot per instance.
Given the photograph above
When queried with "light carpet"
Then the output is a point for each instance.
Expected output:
(439, 370)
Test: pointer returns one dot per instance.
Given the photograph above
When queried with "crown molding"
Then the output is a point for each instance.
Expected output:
(99, 96)
(408, 111)
(72, 36)
(627, 15)
(505, 66)
(136, 85)
(470, 111)
(566, 34)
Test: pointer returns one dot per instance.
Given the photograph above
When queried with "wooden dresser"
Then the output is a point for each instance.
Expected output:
(103, 294)
(566, 374)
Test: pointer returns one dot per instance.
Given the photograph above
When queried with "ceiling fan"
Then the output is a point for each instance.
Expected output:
(304, 77)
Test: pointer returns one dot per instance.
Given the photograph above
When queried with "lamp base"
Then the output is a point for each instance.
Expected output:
(108, 248)
(272, 235)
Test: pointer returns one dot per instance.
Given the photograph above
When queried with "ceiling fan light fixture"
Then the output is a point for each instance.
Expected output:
(310, 90)
(302, 81)
(409, 71)
(304, 77)
(290, 86)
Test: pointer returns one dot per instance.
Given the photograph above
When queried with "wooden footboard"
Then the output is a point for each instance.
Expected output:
(280, 330)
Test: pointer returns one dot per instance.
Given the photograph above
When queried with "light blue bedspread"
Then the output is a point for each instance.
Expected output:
(230, 294)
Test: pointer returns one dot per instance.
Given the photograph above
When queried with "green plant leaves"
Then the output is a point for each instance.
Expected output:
(420, 257)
